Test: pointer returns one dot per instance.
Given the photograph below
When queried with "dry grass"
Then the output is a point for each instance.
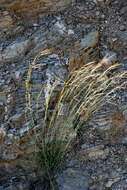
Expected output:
(85, 91)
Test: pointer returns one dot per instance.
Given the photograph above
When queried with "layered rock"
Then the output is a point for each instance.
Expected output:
(100, 149)
(32, 8)
(6, 21)
(18, 129)
(16, 51)
(100, 161)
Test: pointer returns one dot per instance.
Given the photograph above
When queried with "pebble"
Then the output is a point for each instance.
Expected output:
(122, 28)
(70, 32)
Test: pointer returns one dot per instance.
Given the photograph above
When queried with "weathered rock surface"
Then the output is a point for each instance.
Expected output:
(73, 179)
(26, 29)
(16, 51)
(32, 8)
(6, 21)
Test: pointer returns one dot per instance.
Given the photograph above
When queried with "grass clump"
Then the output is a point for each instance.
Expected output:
(83, 93)
(50, 155)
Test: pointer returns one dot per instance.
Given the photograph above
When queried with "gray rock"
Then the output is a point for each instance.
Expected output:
(122, 185)
(90, 40)
(15, 51)
(123, 35)
(72, 179)
(3, 97)
(122, 27)
(17, 120)
(17, 138)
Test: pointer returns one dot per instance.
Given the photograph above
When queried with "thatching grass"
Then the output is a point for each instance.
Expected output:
(84, 92)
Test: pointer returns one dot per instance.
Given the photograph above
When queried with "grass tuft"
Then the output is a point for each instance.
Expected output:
(84, 92)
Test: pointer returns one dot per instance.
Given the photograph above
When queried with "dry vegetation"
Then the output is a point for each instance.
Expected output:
(85, 91)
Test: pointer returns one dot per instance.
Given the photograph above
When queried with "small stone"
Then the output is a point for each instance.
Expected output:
(17, 120)
(16, 117)
(17, 75)
(102, 16)
(72, 179)
(122, 28)
(110, 57)
(3, 97)
(97, 13)
(70, 32)
(60, 27)
(98, 154)
(111, 182)
(114, 39)
(24, 130)
(94, 152)
(35, 25)
(90, 40)
(123, 10)
(9, 139)
(98, 1)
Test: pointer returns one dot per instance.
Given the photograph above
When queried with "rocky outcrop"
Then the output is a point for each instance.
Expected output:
(15, 14)
(32, 8)
(79, 33)
(18, 131)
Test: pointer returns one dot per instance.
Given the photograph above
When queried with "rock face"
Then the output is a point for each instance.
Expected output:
(73, 179)
(6, 20)
(16, 51)
(66, 31)
(33, 7)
